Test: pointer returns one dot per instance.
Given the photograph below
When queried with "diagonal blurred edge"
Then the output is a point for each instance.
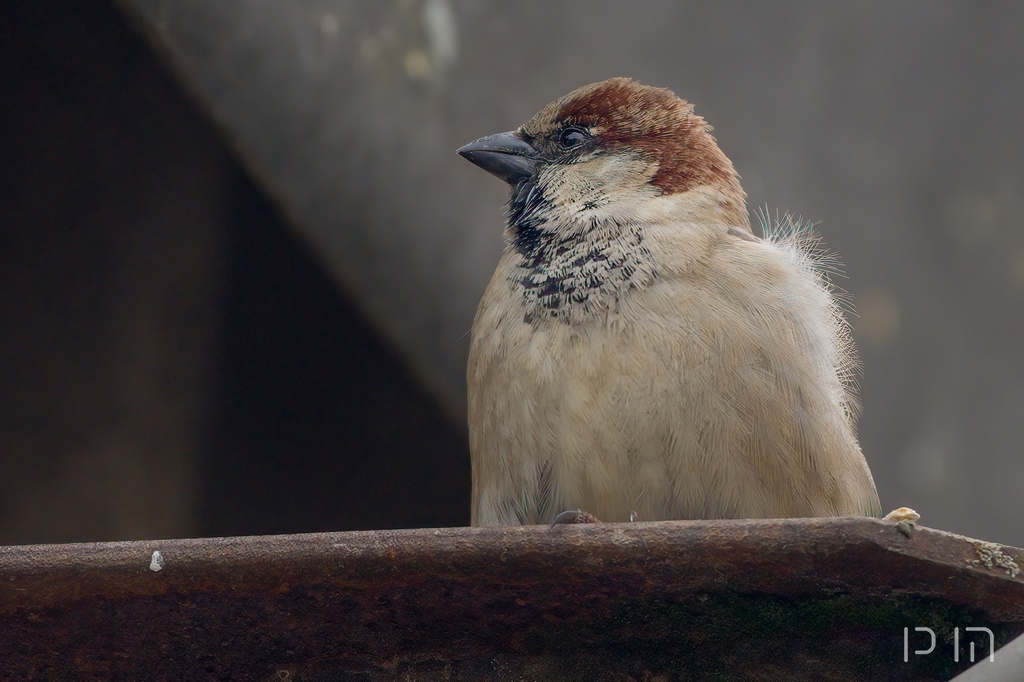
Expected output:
(826, 592)
(358, 160)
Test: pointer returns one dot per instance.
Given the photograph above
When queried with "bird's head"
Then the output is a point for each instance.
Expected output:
(615, 152)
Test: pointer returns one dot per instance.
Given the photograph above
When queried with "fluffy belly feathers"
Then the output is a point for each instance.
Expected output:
(680, 416)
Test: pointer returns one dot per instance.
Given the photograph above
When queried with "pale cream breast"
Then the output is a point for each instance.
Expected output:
(698, 396)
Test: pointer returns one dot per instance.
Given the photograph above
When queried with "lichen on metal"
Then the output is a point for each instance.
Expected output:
(991, 555)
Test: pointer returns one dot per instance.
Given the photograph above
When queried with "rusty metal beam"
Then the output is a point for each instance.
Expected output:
(799, 598)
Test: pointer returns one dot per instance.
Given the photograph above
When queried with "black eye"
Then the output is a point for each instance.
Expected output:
(570, 138)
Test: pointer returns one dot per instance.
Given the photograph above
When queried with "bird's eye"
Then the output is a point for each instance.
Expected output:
(570, 138)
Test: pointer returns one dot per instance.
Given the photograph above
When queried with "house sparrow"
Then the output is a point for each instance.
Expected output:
(639, 353)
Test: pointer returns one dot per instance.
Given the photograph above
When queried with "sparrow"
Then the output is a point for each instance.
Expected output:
(639, 353)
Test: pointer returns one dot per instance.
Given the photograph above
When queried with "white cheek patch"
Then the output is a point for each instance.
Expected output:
(606, 188)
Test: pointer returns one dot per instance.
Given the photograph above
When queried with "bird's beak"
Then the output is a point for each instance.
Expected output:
(506, 155)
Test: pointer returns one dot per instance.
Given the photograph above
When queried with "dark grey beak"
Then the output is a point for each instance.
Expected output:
(506, 155)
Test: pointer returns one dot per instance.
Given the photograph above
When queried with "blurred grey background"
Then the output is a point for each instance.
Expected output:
(239, 256)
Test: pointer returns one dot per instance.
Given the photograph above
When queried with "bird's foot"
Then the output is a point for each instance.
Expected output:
(574, 516)
(903, 514)
(904, 518)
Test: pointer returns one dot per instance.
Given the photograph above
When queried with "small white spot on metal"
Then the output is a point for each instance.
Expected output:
(157, 562)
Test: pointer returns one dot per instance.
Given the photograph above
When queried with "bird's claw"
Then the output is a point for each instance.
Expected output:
(903, 514)
(574, 516)
(905, 518)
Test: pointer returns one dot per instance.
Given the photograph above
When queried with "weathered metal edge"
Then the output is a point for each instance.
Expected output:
(65, 572)
(793, 598)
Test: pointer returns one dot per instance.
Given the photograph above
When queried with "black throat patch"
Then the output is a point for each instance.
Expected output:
(572, 273)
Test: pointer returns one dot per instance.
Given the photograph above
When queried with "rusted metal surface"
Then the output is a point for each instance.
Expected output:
(797, 599)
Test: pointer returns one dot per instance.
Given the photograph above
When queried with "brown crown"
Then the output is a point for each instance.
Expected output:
(624, 113)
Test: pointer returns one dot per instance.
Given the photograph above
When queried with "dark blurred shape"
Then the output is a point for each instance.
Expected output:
(172, 360)
(795, 599)
(112, 218)
(318, 425)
